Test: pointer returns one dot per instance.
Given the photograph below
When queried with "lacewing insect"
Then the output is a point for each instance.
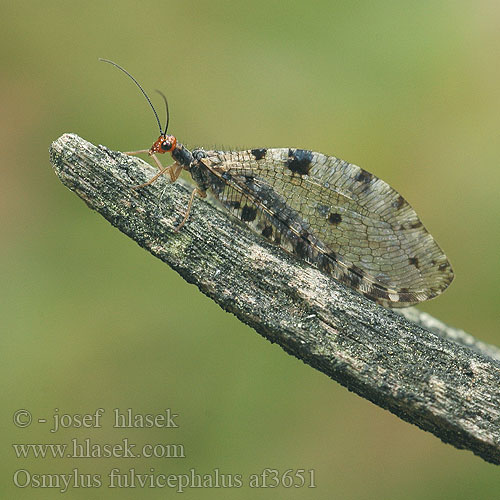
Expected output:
(330, 213)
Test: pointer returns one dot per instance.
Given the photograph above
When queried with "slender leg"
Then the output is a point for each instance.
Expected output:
(173, 170)
(161, 172)
(132, 153)
(196, 191)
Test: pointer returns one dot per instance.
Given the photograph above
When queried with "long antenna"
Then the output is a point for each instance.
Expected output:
(166, 106)
(142, 90)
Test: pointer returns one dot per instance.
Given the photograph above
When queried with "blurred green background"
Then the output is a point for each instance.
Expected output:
(408, 90)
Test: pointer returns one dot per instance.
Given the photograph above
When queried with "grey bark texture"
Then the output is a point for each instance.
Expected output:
(439, 378)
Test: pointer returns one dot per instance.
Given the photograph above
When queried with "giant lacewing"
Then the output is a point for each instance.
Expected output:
(330, 213)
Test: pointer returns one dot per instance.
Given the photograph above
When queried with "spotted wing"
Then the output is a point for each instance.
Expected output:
(336, 216)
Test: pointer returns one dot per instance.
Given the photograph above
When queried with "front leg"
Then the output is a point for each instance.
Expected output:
(173, 170)
(132, 153)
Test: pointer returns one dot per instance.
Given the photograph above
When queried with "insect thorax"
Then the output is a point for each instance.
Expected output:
(183, 156)
(199, 172)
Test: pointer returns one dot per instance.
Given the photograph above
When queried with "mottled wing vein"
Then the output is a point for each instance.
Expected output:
(335, 215)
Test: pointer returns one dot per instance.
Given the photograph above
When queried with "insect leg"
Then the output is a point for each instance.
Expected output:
(196, 191)
(173, 170)
(132, 153)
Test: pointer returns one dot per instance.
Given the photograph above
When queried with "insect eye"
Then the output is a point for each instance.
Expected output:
(165, 145)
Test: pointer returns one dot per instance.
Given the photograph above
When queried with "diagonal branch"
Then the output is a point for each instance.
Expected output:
(427, 373)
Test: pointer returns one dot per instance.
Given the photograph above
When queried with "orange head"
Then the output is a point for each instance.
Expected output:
(164, 144)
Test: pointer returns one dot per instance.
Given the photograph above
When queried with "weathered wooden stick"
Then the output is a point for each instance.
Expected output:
(438, 378)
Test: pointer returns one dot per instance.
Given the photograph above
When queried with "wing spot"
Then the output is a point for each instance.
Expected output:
(354, 281)
(364, 177)
(267, 232)
(248, 214)
(258, 154)
(397, 204)
(301, 249)
(299, 161)
(334, 219)
(356, 276)
(414, 262)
